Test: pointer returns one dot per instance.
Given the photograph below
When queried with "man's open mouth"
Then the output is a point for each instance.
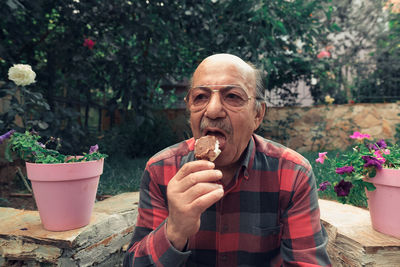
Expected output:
(219, 134)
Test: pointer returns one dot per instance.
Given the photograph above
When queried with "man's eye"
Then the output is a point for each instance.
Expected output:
(233, 96)
(200, 98)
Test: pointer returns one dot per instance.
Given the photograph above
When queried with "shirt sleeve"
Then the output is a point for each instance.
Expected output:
(304, 239)
(149, 245)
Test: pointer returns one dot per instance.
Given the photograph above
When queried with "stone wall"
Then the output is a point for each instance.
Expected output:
(329, 126)
(318, 127)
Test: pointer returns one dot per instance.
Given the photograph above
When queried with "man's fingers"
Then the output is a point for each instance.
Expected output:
(199, 177)
(193, 166)
(203, 202)
(199, 190)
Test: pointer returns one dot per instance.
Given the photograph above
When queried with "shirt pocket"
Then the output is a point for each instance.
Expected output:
(269, 238)
(266, 231)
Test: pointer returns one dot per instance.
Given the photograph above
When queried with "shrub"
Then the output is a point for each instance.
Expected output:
(139, 137)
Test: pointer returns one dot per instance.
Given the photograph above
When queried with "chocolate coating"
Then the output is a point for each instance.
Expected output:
(207, 147)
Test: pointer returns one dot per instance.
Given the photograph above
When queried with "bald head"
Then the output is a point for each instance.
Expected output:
(228, 62)
(228, 59)
(214, 70)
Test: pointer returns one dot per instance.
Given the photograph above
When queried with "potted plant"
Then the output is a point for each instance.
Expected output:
(64, 186)
(370, 170)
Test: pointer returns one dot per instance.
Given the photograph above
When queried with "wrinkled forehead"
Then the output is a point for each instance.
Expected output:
(224, 70)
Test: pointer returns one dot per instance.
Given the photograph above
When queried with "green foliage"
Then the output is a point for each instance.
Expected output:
(28, 148)
(328, 73)
(64, 121)
(363, 66)
(140, 45)
(139, 138)
(25, 104)
(382, 85)
(326, 173)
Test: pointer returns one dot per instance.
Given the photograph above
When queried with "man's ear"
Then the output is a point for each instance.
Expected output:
(260, 115)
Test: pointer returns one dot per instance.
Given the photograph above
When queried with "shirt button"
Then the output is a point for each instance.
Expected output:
(224, 257)
(225, 228)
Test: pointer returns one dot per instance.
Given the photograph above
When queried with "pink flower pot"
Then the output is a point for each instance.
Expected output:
(65, 192)
(384, 202)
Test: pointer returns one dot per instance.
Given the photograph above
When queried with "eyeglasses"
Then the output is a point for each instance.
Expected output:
(233, 97)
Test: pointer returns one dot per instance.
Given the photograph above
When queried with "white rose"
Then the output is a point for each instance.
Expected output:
(21, 74)
(314, 81)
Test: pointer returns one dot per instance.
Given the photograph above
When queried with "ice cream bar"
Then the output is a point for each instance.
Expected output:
(207, 147)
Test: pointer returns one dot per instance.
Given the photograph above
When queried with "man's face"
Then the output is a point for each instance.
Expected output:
(232, 127)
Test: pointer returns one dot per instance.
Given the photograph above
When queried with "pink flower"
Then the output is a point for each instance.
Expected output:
(89, 43)
(359, 136)
(378, 154)
(321, 157)
(324, 54)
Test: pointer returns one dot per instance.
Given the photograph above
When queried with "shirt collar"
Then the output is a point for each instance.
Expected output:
(248, 157)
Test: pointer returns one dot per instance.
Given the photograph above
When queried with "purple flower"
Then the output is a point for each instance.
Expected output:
(345, 169)
(342, 189)
(6, 136)
(382, 144)
(371, 147)
(372, 162)
(94, 149)
(323, 186)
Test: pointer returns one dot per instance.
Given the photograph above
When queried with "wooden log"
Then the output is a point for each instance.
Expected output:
(353, 241)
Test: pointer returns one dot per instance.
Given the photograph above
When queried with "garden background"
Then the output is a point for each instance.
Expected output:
(115, 73)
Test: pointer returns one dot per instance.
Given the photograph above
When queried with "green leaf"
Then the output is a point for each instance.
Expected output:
(336, 27)
(370, 186)
(7, 152)
(281, 27)
(372, 173)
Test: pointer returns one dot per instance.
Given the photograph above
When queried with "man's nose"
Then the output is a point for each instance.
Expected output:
(215, 107)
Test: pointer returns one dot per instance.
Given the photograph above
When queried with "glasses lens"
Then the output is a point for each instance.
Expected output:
(199, 98)
(234, 97)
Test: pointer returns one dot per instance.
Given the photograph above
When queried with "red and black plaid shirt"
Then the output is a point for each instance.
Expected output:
(269, 215)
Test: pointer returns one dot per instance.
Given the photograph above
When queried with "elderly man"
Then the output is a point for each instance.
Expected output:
(256, 205)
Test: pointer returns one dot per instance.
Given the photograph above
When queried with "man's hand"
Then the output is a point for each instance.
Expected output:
(190, 192)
